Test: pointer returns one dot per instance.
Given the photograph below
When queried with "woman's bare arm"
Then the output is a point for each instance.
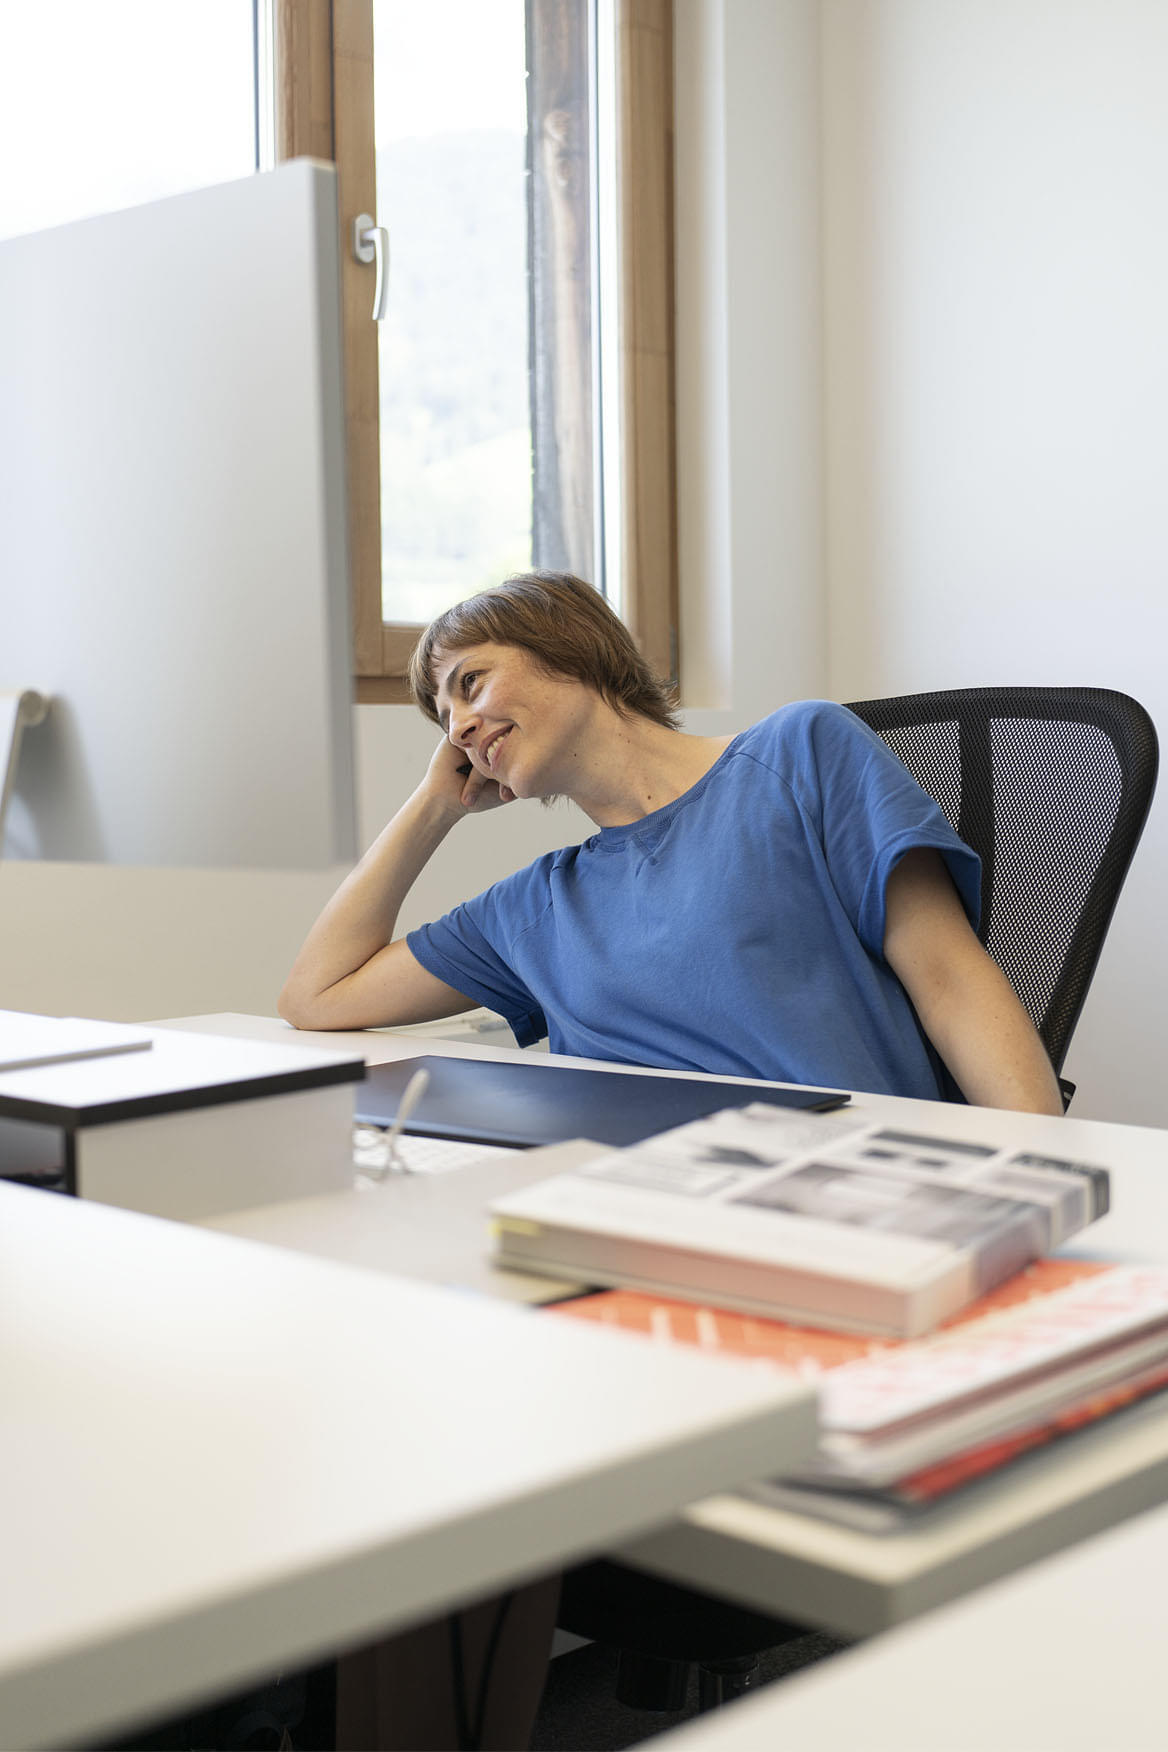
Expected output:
(965, 1003)
(351, 972)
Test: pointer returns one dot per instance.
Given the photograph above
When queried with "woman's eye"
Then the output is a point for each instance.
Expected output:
(469, 680)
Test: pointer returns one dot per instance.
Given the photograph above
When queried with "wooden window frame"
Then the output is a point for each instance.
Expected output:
(324, 109)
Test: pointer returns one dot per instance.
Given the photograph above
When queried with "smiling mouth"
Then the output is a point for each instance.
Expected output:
(492, 749)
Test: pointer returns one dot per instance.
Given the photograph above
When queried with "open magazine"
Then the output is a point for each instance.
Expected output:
(814, 1217)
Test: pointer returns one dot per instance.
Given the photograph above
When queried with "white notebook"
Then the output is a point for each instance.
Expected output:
(28, 1040)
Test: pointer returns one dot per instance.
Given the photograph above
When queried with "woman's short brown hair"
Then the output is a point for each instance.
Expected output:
(567, 627)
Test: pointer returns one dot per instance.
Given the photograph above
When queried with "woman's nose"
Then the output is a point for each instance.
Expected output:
(461, 727)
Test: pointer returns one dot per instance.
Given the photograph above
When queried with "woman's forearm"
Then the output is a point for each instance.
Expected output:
(337, 975)
(962, 998)
(992, 1049)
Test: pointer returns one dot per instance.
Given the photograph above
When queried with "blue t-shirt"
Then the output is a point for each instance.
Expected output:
(738, 930)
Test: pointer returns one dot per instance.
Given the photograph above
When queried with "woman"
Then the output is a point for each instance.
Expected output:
(786, 903)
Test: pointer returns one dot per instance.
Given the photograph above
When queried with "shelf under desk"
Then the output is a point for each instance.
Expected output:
(1067, 1657)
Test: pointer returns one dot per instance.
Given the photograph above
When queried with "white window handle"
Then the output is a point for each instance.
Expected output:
(371, 244)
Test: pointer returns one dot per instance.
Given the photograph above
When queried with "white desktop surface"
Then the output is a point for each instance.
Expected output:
(218, 1458)
(1067, 1657)
(849, 1582)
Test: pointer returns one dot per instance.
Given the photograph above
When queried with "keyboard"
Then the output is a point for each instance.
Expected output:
(415, 1155)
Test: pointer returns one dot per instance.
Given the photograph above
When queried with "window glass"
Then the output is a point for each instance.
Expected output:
(456, 462)
(105, 105)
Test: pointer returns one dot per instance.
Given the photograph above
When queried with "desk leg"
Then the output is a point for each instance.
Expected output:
(423, 1691)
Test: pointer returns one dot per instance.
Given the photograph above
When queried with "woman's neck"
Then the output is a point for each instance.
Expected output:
(641, 767)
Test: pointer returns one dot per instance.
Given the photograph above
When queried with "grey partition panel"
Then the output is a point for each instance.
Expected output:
(173, 562)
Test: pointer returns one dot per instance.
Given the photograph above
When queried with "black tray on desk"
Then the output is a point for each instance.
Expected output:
(493, 1101)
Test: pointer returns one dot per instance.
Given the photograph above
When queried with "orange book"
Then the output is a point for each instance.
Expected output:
(1062, 1343)
(807, 1349)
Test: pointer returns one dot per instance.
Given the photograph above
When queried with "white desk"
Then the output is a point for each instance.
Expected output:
(218, 1458)
(850, 1583)
(1067, 1657)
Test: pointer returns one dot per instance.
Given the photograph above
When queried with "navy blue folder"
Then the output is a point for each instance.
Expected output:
(493, 1101)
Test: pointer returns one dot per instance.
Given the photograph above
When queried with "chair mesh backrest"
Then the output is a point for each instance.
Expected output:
(1051, 787)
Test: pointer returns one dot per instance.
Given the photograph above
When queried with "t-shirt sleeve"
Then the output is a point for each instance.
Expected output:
(456, 949)
(872, 811)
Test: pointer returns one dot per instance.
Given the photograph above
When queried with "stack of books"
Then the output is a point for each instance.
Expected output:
(907, 1273)
(904, 1424)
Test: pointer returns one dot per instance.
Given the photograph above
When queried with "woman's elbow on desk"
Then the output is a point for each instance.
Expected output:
(328, 1008)
(299, 1010)
(391, 990)
(333, 1009)
(326, 997)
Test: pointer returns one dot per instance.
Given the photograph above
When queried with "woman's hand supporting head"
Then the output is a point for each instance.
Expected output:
(452, 780)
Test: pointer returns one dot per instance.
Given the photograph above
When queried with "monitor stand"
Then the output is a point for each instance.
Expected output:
(19, 709)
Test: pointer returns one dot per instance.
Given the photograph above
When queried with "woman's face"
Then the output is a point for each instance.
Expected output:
(518, 724)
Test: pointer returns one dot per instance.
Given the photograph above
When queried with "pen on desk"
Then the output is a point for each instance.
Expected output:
(411, 1095)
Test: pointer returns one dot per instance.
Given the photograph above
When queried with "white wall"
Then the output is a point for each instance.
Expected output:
(996, 363)
(749, 334)
(922, 401)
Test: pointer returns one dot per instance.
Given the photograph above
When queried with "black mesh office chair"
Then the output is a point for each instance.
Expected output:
(1051, 786)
